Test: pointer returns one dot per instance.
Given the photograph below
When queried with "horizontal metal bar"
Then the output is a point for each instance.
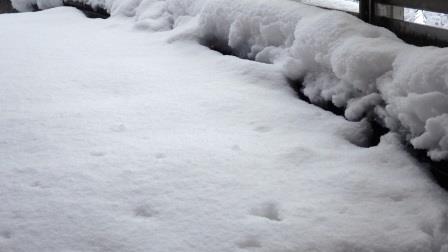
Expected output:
(428, 5)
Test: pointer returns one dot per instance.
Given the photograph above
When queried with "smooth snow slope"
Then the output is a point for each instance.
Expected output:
(113, 139)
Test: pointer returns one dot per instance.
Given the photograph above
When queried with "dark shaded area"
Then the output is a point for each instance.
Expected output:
(221, 46)
(6, 7)
(218, 45)
(88, 10)
(34, 7)
(378, 130)
(297, 85)
(439, 170)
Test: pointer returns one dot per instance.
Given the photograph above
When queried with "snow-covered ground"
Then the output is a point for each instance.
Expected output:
(114, 137)
(365, 70)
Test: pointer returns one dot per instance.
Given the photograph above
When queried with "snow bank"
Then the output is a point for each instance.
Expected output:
(365, 69)
(151, 146)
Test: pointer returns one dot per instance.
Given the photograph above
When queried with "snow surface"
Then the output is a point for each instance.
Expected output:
(341, 59)
(114, 138)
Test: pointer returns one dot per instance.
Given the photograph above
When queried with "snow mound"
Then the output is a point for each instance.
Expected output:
(364, 69)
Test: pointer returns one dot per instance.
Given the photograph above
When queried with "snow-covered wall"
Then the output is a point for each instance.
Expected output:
(365, 69)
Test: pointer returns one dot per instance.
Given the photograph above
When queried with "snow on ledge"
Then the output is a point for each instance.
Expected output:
(344, 5)
(365, 69)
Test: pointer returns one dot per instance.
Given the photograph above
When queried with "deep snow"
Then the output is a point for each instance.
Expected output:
(114, 138)
(363, 69)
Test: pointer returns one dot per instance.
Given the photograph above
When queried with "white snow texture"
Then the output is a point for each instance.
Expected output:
(117, 138)
(340, 59)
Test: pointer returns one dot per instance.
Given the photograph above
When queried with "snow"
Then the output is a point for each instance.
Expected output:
(345, 5)
(365, 69)
(340, 59)
(119, 138)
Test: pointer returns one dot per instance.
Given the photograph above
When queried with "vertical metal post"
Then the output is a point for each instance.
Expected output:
(367, 10)
(364, 10)
(6, 7)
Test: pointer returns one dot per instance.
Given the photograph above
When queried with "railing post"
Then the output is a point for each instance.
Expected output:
(367, 10)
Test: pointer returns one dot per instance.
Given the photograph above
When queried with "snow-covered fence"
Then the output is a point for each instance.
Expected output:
(390, 14)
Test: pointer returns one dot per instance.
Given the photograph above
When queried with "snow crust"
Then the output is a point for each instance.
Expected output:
(113, 139)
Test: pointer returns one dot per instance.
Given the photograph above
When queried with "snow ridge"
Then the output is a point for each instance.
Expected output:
(340, 59)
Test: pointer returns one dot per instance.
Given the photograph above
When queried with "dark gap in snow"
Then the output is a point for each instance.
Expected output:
(34, 7)
(373, 135)
(88, 10)
(438, 169)
(6, 7)
(378, 130)
(219, 45)
(297, 85)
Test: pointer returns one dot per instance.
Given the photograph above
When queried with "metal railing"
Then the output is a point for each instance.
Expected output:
(390, 14)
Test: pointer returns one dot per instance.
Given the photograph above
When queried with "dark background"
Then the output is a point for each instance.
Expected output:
(5, 6)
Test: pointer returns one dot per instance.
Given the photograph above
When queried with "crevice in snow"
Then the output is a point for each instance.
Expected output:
(372, 133)
(34, 7)
(438, 169)
(217, 45)
(297, 86)
(91, 11)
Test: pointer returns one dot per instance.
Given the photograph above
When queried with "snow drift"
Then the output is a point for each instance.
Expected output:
(364, 69)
